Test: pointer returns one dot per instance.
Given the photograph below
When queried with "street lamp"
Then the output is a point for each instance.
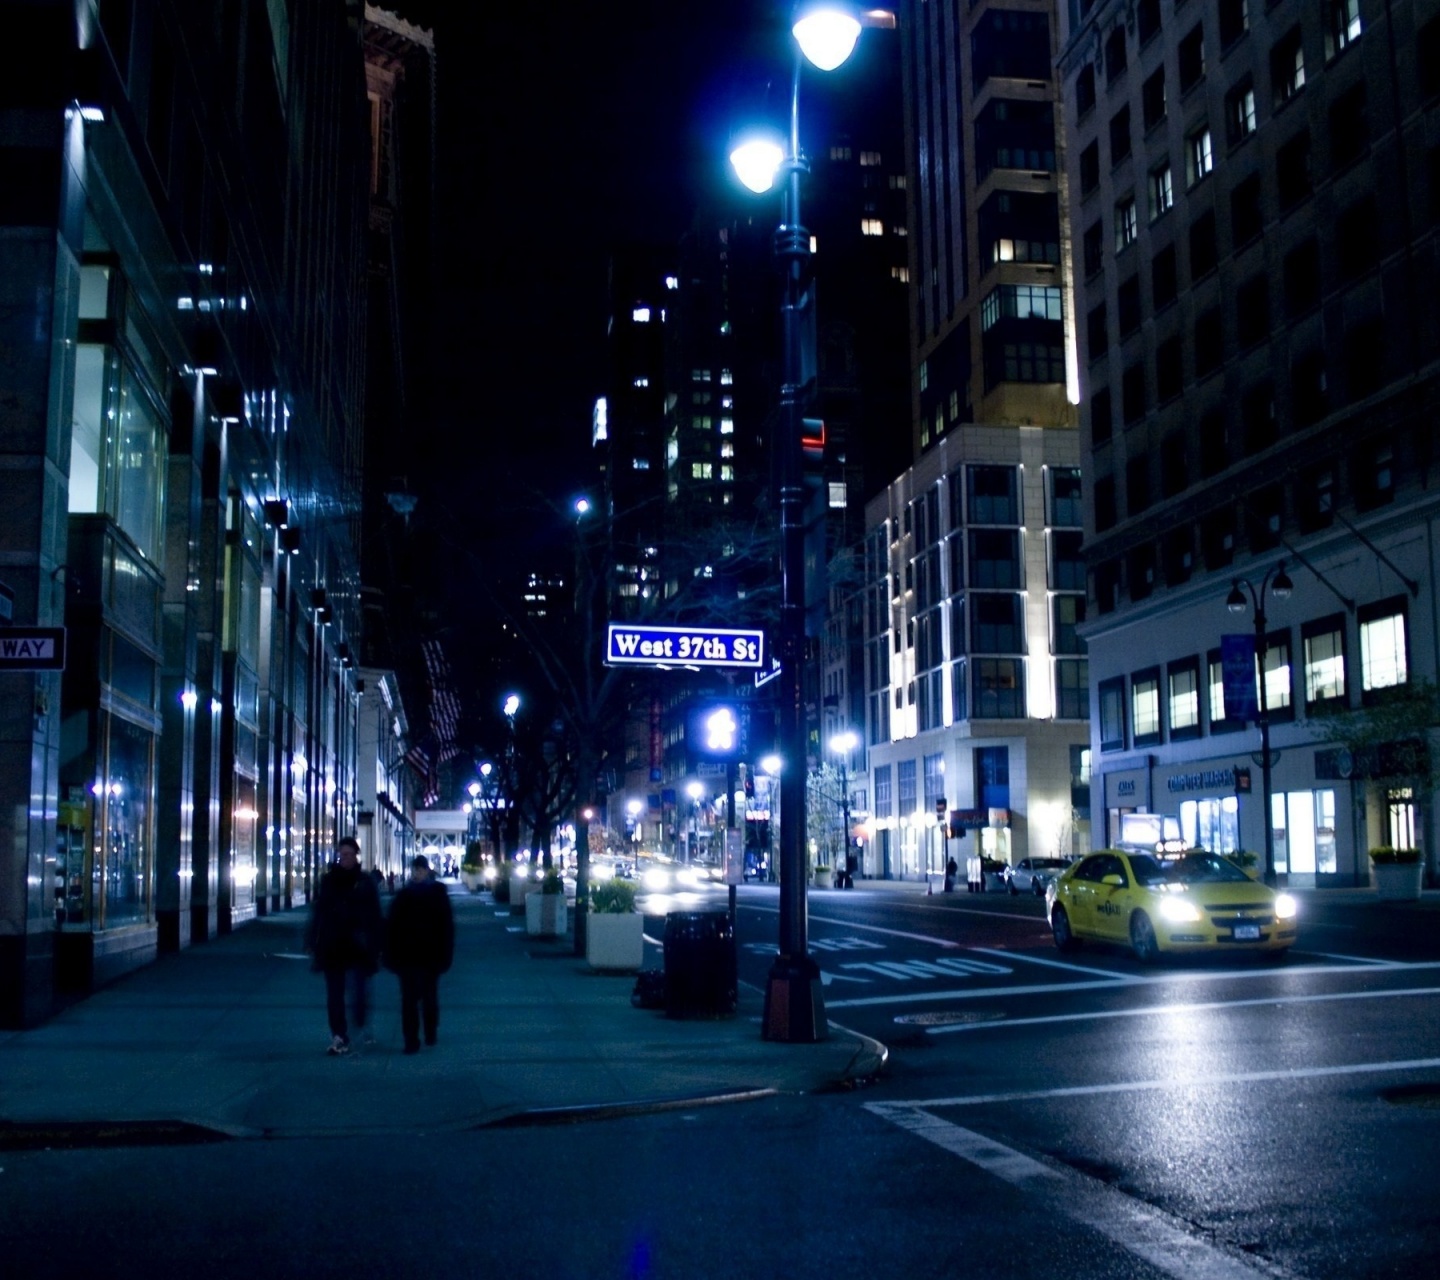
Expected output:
(694, 790)
(1280, 587)
(794, 1004)
(842, 744)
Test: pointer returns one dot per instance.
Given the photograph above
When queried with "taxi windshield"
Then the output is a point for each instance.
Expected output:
(1192, 868)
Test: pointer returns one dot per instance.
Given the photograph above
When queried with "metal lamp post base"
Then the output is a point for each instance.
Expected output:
(794, 1003)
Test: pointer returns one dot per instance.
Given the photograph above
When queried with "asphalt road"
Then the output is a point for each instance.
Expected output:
(1042, 1115)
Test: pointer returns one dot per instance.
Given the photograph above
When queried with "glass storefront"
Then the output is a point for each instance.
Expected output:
(1212, 822)
(1304, 823)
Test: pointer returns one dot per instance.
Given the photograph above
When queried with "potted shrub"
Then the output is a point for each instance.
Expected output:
(614, 930)
(1248, 862)
(822, 875)
(472, 868)
(1397, 873)
(545, 915)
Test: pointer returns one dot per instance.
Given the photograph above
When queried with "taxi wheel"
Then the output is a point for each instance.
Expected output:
(1142, 939)
(1065, 939)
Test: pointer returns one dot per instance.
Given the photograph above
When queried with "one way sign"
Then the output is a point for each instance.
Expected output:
(32, 649)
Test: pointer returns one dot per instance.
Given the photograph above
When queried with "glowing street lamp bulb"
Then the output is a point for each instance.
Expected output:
(757, 162)
(582, 506)
(695, 790)
(512, 704)
(827, 36)
(473, 789)
(842, 744)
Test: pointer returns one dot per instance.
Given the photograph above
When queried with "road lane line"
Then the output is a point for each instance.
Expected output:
(1293, 1074)
(870, 928)
(1167, 1009)
(1371, 960)
(1142, 1230)
(981, 992)
(1042, 960)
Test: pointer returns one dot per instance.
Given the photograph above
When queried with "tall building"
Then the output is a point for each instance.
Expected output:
(970, 586)
(182, 258)
(1255, 188)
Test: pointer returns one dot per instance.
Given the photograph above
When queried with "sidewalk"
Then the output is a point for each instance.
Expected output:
(230, 1036)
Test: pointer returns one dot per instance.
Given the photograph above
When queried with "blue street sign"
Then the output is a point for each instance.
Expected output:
(1237, 672)
(683, 647)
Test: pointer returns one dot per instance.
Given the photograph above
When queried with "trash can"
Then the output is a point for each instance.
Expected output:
(699, 964)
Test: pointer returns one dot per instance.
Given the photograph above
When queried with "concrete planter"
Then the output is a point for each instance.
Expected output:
(519, 890)
(1397, 881)
(824, 878)
(471, 880)
(545, 915)
(615, 940)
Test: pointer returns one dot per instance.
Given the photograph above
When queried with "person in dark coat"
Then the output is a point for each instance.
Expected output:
(419, 947)
(344, 937)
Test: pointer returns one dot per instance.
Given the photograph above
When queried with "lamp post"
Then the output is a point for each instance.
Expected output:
(1278, 581)
(842, 744)
(694, 790)
(794, 1005)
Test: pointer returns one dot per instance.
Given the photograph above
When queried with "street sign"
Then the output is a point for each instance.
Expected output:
(683, 647)
(32, 649)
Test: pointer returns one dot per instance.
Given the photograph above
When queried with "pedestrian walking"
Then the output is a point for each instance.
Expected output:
(951, 868)
(419, 947)
(344, 937)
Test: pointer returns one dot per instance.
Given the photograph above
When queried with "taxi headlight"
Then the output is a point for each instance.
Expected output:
(1179, 910)
(656, 878)
(1285, 907)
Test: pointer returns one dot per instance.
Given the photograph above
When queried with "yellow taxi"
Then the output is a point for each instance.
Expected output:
(1198, 901)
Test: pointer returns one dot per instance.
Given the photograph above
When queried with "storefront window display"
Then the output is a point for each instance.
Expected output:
(1304, 832)
(1211, 823)
(121, 870)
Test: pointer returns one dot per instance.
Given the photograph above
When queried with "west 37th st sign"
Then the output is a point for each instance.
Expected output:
(683, 647)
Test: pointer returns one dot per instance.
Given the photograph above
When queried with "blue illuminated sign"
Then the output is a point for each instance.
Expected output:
(683, 647)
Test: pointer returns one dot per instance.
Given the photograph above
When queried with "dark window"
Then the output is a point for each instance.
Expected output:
(1097, 332)
(1245, 215)
(1192, 58)
(1357, 240)
(1140, 571)
(1372, 471)
(1257, 417)
(1315, 497)
(995, 558)
(1107, 585)
(1094, 248)
(1204, 254)
(1147, 19)
(1127, 304)
(1364, 358)
(1112, 714)
(997, 622)
(1427, 58)
(998, 693)
(1309, 400)
(1090, 168)
(1287, 66)
(1069, 613)
(1115, 53)
(1120, 136)
(1217, 538)
(1152, 97)
(1214, 443)
(1012, 44)
(1292, 170)
(1252, 311)
(1132, 393)
(1101, 417)
(1014, 134)
(1072, 683)
(1066, 500)
(1209, 341)
(1169, 370)
(1302, 278)
(1264, 510)
(1085, 90)
(1163, 284)
(1137, 485)
(1019, 226)
(1177, 556)
(1067, 563)
(1234, 21)
(993, 497)
(1349, 128)
(1174, 466)
(1105, 503)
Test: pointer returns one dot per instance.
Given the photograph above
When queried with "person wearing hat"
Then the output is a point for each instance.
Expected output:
(343, 935)
(419, 947)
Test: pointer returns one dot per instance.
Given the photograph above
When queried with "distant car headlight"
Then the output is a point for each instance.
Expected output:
(1179, 910)
(656, 878)
(1285, 907)
(688, 876)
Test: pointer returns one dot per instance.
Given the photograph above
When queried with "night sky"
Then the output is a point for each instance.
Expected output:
(559, 136)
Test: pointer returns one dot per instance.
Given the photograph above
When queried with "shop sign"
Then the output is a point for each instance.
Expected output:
(1203, 780)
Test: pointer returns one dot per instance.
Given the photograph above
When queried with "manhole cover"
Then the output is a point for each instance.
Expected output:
(945, 1019)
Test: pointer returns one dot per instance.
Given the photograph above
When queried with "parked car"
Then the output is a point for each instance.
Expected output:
(1034, 875)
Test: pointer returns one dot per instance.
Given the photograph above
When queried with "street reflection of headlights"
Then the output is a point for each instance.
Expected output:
(1179, 910)
(1285, 907)
(657, 878)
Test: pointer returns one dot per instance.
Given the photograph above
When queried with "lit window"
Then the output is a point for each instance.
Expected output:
(641, 315)
(727, 472)
(1184, 698)
(640, 464)
(1240, 112)
(1382, 652)
(897, 182)
(695, 470)
(1145, 707)
(1162, 191)
(1325, 664)
(727, 449)
(1127, 223)
(726, 377)
(869, 159)
(924, 375)
(901, 274)
(1202, 155)
(872, 227)
(837, 495)
(727, 402)
(1342, 25)
(727, 426)
(640, 382)
(671, 282)
(839, 153)
(900, 231)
